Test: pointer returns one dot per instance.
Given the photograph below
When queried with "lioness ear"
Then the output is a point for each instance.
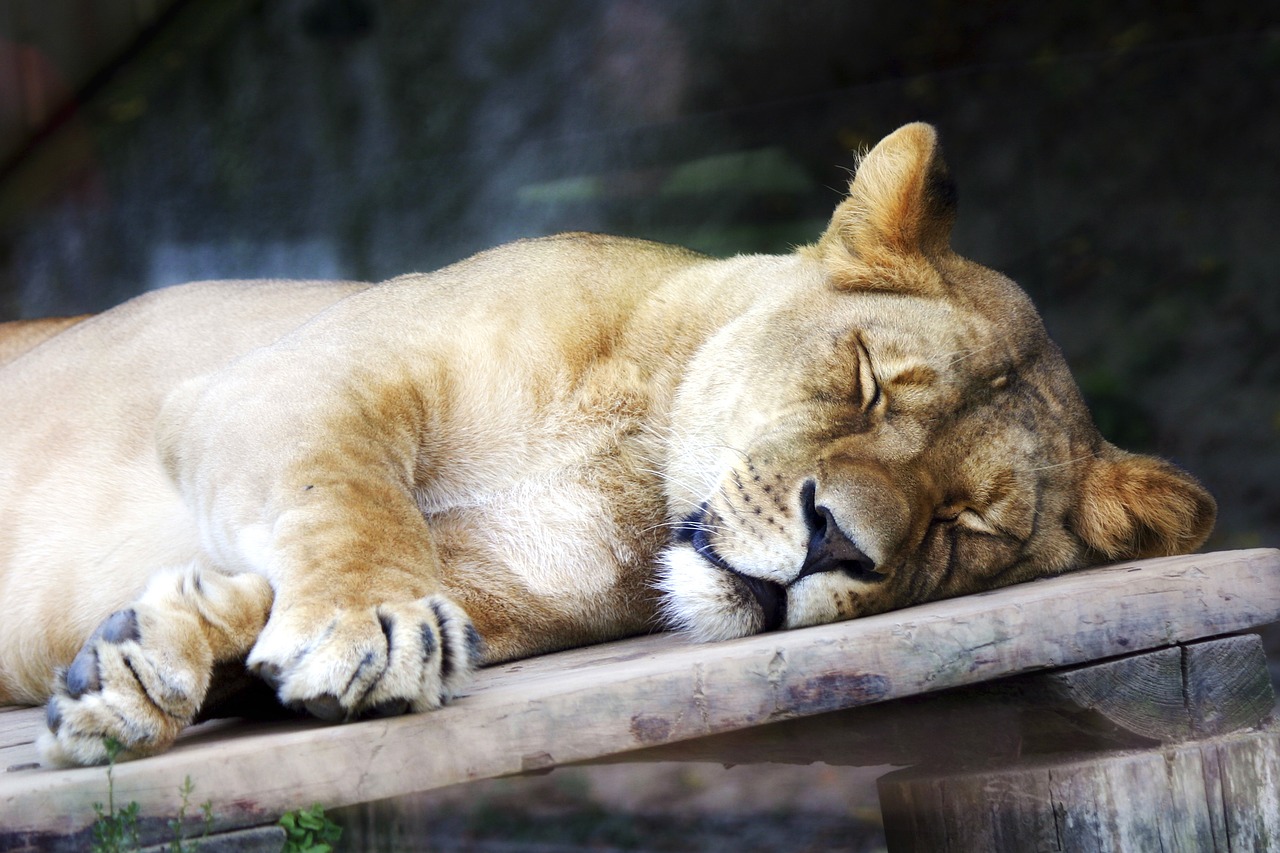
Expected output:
(1139, 506)
(901, 205)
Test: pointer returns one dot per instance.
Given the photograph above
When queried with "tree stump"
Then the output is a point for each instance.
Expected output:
(1219, 792)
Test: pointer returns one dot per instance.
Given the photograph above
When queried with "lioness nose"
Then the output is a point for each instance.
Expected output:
(830, 549)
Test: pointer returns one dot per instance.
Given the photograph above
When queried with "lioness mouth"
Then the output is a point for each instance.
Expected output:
(771, 596)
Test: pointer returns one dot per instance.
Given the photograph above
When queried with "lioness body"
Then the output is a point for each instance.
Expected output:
(543, 426)
(559, 441)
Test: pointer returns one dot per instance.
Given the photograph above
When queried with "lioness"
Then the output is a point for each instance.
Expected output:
(364, 492)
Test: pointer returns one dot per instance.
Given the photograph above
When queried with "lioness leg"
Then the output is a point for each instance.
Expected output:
(316, 491)
(144, 673)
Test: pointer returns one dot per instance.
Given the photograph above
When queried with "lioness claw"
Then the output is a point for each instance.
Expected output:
(375, 661)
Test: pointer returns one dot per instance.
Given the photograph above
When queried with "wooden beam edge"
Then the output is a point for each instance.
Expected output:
(601, 700)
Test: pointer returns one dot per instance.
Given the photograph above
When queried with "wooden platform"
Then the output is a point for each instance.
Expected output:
(648, 692)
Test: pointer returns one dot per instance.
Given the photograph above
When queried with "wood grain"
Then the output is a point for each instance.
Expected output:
(1227, 684)
(1218, 794)
(607, 699)
(1193, 690)
(1143, 694)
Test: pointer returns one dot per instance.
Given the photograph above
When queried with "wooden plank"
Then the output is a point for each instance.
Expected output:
(1132, 702)
(952, 725)
(260, 839)
(18, 730)
(585, 703)
(1250, 792)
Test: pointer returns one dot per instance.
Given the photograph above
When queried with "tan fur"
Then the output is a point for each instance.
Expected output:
(1132, 506)
(18, 336)
(556, 442)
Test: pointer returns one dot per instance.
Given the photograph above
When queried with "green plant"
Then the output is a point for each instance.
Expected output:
(114, 831)
(309, 831)
(306, 830)
(117, 831)
(177, 846)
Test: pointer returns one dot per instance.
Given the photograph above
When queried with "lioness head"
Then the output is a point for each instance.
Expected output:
(888, 423)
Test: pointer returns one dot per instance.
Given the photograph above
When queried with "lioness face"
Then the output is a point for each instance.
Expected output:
(889, 424)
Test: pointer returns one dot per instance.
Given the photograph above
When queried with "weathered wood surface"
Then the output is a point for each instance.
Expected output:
(1194, 690)
(1219, 794)
(1108, 798)
(1227, 684)
(1136, 701)
(586, 703)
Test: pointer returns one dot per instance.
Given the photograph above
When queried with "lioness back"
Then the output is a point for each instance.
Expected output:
(19, 336)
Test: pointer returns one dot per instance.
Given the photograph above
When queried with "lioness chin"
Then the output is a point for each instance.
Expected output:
(360, 493)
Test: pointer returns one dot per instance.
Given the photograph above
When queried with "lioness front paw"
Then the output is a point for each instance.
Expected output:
(119, 689)
(143, 674)
(340, 664)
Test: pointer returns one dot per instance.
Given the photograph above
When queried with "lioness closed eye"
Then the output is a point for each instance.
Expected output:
(364, 492)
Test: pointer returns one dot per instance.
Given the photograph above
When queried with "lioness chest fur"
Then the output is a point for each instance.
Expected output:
(363, 492)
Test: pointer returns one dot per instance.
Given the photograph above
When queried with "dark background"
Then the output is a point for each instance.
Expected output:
(1118, 159)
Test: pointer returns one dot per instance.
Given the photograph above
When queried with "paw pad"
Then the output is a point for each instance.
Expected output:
(83, 676)
(53, 717)
(120, 626)
(325, 707)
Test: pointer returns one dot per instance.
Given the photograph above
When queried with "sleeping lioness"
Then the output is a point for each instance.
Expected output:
(361, 492)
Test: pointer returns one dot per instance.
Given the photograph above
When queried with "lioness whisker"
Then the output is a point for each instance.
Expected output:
(685, 524)
(967, 354)
(693, 503)
(1065, 464)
